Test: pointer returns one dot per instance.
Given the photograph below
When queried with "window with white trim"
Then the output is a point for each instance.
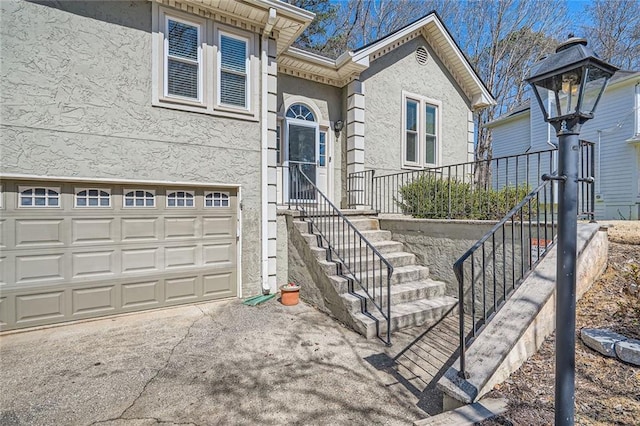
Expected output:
(39, 197)
(93, 197)
(322, 149)
(421, 133)
(216, 199)
(233, 78)
(183, 59)
(203, 66)
(139, 198)
(180, 199)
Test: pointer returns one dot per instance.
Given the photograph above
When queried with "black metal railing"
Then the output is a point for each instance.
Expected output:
(490, 271)
(484, 189)
(359, 188)
(357, 260)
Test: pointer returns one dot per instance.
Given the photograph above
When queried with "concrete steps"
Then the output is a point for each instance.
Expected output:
(400, 293)
(409, 314)
(365, 261)
(401, 274)
(415, 298)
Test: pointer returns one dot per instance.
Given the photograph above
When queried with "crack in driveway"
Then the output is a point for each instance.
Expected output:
(151, 379)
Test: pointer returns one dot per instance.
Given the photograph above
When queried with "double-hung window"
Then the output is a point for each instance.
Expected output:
(203, 65)
(421, 133)
(233, 79)
(183, 59)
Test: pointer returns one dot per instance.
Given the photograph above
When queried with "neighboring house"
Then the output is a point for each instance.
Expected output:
(615, 130)
(145, 144)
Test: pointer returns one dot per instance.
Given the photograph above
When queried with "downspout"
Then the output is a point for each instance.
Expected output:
(264, 133)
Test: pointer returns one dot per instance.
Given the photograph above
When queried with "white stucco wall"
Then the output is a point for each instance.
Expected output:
(75, 86)
(384, 82)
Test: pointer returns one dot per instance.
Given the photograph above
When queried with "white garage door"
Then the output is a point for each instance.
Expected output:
(73, 251)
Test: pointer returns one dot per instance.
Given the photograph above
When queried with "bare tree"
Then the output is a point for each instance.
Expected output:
(502, 40)
(614, 31)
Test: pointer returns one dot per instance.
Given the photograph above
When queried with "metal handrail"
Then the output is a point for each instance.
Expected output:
(384, 192)
(539, 227)
(339, 234)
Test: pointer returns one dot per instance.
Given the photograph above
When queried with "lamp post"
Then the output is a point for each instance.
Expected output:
(568, 86)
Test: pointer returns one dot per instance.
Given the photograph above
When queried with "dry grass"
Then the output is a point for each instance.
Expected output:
(607, 390)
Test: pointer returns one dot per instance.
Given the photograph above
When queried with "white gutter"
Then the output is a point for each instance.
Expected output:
(264, 146)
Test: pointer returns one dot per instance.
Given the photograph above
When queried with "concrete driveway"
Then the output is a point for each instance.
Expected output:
(217, 363)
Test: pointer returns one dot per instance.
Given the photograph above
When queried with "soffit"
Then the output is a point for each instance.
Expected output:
(309, 66)
(348, 66)
(250, 15)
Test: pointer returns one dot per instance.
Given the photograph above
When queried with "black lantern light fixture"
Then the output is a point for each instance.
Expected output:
(338, 126)
(568, 86)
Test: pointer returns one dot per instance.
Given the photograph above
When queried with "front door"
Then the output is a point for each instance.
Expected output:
(305, 149)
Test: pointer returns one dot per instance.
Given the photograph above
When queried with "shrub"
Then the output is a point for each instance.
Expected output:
(629, 306)
(433, 197)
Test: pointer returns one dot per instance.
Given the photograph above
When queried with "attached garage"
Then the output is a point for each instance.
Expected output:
(77, 250)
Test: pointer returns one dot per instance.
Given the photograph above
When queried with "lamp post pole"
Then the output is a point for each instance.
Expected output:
(568, 86)
(568, 159)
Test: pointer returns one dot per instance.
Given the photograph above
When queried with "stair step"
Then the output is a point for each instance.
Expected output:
(372, 236)
(383, 247)
(409, 314)
(400, 293)
(401, 274)
(396, 259)
(361, 223)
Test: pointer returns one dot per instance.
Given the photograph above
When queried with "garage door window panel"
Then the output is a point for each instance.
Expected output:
(139, 198)
(217, 199)
(39, 197)
(180, 199)
(93, 197)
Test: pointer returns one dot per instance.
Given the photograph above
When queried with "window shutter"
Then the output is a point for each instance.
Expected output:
(183, 60)
(233, 71)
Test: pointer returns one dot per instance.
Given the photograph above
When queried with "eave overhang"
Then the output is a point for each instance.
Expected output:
(251, 15)
(349, 65)
(310, 66)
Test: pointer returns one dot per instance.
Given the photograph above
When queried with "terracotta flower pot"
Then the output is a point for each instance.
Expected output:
(290, 294)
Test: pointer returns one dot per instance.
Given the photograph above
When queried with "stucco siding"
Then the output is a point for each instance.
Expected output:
(76, 101)
(385, 80)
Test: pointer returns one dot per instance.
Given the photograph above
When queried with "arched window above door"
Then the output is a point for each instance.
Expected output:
(300, 112)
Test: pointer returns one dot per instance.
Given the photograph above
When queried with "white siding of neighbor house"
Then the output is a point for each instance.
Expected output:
(617, 190)
(617, 160)
(514, 136)
(76, 85)
(511, 140)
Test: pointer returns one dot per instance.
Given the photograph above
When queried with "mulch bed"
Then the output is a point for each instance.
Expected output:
(607, 390)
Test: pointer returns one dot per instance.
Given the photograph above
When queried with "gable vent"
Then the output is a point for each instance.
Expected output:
(422, 56)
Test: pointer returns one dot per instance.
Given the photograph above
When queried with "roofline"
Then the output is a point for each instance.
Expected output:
(391, 34)
(416, 25)
(286, 9)
(505, 119)
(512, 116)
